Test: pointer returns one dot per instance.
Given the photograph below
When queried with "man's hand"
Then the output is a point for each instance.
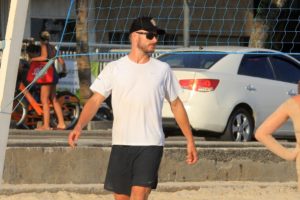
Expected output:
(192, 156)
(89, 110)
(184, 124)
(73, 137)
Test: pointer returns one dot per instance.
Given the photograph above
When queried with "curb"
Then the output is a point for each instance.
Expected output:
(8, 189)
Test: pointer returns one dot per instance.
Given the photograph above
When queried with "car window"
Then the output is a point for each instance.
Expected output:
(285, 70)
(198, 60)
(256, 66)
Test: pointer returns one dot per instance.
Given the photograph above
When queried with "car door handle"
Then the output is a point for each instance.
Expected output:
(292, 92)
(250, 88)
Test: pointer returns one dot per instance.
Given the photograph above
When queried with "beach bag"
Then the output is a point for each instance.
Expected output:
(35, 67)
(60, 67)
(59, 63)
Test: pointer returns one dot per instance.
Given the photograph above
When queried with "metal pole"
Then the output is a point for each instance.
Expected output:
(186, 24)
(9, 67)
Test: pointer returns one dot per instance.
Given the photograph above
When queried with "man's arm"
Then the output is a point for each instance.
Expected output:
(88, 112)
(183, 122)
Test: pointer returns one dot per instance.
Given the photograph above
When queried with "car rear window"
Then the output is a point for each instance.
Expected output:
(198, 60)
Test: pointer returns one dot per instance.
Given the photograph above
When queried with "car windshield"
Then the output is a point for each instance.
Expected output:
(198, 60)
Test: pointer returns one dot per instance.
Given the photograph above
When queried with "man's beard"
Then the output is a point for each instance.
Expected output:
(146, 49)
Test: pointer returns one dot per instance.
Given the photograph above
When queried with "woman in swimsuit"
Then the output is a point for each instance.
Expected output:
(290, 109)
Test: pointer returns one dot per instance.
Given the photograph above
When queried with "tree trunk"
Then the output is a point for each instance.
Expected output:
(267, 11)
(83, 62)
(259, 34)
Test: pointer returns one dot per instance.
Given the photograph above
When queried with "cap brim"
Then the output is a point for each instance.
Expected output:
(154, 29)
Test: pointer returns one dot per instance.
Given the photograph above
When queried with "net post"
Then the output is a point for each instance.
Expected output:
(9, 68)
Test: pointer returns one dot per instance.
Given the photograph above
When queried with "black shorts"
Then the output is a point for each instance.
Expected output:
(132, 166)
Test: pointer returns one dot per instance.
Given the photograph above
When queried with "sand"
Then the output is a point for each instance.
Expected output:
(189, 191)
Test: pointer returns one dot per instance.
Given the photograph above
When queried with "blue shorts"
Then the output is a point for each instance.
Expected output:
(132, 166)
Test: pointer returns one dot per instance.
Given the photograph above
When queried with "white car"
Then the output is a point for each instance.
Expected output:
(229, 91)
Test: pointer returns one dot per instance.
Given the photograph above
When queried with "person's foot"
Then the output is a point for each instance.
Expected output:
(42, 128)
(60, 127)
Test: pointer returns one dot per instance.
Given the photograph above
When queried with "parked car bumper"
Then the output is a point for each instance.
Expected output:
(214, 120)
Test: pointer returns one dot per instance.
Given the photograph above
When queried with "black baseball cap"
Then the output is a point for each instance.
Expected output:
(147, 24)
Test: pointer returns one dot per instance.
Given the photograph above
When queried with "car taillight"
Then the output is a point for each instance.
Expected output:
(200, 85)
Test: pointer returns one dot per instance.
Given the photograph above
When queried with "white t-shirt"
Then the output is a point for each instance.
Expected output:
(138, 92)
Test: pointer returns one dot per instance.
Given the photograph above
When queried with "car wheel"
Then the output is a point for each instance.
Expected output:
(239, 127)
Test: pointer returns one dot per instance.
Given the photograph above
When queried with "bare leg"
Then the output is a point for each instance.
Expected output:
(45, 94)
(57, 108)
(121, 197)
(139, 193)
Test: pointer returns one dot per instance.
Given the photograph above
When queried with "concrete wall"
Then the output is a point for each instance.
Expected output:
(62, 165)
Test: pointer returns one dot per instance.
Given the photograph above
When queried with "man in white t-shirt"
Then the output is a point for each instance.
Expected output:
(138, 84)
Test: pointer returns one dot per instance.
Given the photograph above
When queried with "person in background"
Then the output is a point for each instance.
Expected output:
(290, 109)
(138, 85)
(32, 51)
(48, 91)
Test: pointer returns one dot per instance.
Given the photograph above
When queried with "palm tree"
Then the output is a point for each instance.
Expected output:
(83, 61)
(267, 12)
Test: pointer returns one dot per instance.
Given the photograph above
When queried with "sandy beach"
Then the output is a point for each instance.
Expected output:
(204, 191)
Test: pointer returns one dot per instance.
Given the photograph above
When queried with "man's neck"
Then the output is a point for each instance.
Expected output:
(138, 57)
